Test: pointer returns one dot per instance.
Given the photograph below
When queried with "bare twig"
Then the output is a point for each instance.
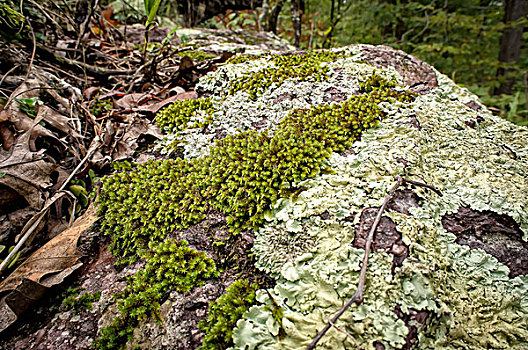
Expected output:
(7, 73)
(358, 295)
(342, 330)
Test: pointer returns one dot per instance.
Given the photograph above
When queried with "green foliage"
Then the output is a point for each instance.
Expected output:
(300, 66)
(177, 116)
(224, 312)
(29, 105)
(151, 9)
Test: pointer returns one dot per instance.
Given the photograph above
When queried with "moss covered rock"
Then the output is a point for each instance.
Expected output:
(299, 150)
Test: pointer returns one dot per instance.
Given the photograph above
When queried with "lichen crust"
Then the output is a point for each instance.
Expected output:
(471, 301)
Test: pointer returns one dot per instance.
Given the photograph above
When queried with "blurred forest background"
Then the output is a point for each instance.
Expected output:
(480, 44)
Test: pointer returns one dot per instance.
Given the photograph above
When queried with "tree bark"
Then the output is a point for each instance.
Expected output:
(196, 11)
(274, 17)
(510, 44)
(296, 21)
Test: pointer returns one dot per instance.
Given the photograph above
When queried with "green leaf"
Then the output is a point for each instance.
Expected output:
(151, 10)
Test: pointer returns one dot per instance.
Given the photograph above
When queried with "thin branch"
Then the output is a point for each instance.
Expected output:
(358, 295)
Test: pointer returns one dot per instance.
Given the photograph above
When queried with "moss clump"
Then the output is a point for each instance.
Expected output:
(74, 300)
(171, 265)
(242, 58)
(224, 312)
(196, 55)
(177, 116)
(304, 66)
(242, 176)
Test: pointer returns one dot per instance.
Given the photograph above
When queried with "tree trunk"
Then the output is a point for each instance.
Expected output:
(274, 17)
(510, 44)
(197, 11)
(296, 21)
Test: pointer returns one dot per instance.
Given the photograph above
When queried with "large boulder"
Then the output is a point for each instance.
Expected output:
(447, 272)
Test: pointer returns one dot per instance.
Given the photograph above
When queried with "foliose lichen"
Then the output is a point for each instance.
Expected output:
(472, 302)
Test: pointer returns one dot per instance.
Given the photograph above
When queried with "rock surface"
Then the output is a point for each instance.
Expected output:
(447, 271)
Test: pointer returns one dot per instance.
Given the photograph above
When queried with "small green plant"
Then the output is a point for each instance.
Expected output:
(224, 312)
(29, 105)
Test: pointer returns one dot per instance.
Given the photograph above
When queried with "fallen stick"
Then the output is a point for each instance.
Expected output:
(358, 295)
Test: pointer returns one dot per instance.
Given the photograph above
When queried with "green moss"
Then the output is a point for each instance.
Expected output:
(73, 298)
(196, 55)
(99, 107)
(241, 177)
(177, 116)
(224, 314)
(171, 265)
(116, 334)
(242, 58)
(305, 66)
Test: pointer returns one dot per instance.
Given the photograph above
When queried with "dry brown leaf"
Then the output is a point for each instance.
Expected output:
(46, 267)
(131, 100)
(57, 120)
(7, 137)
(27, 172)
(121, 140)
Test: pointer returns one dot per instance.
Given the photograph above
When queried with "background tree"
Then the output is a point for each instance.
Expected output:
(510, 44)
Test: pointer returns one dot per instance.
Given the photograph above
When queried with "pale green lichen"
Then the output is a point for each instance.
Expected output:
(472, 302)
